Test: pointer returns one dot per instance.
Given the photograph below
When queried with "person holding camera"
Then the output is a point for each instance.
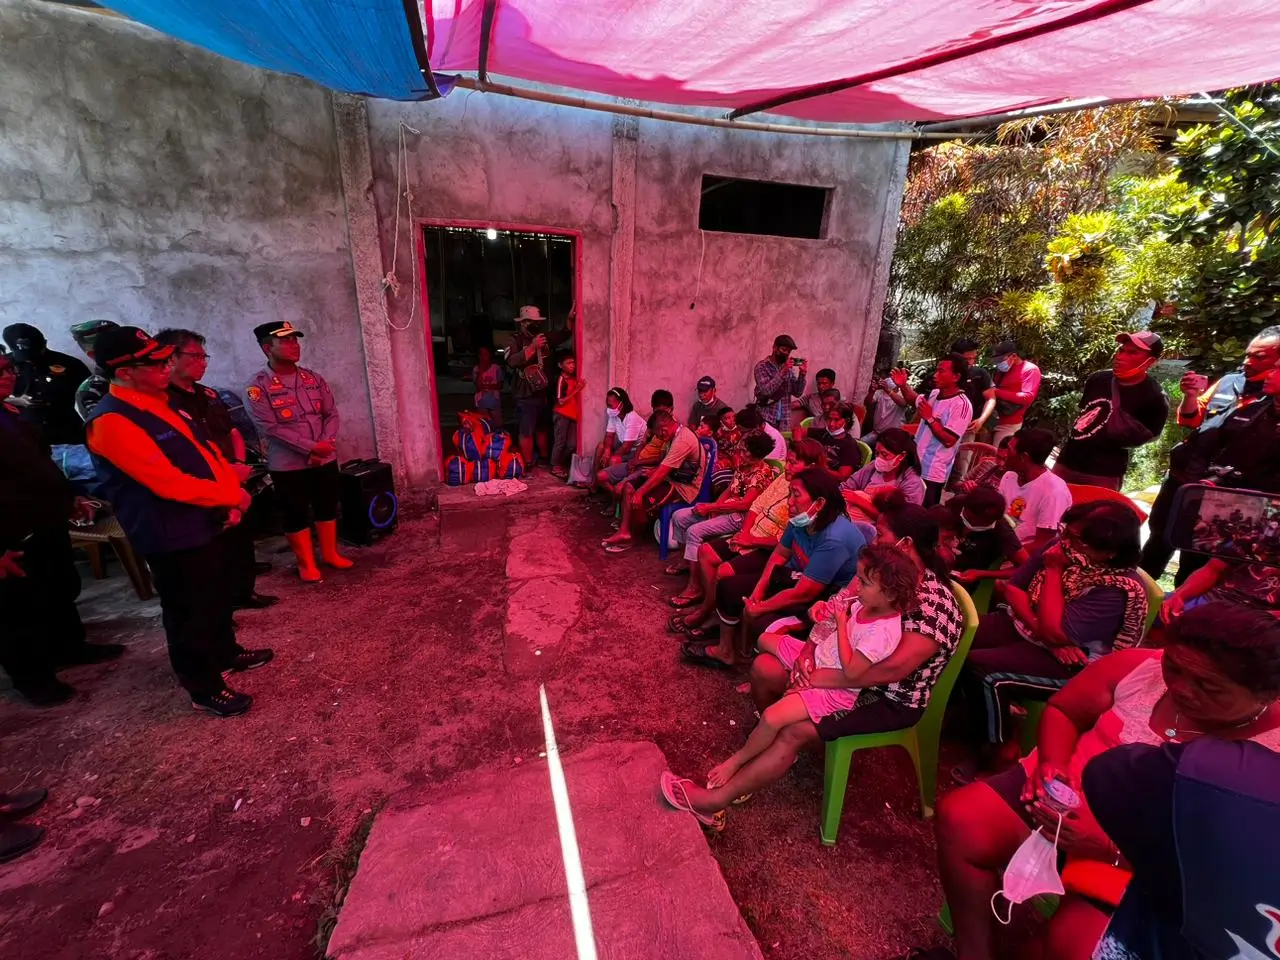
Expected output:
(778, 378)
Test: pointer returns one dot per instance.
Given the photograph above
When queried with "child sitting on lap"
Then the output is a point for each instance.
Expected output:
(861, 625)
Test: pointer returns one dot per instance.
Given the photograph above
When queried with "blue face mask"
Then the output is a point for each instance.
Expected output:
(1003, 366)
(802, 520)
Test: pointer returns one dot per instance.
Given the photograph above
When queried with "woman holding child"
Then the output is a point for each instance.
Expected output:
(887, 694)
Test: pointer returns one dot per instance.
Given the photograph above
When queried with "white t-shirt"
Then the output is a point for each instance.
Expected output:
(887, 413)
(1039, 504)
(779, 451)
(874, 639)
(936, 458)
(629, 429)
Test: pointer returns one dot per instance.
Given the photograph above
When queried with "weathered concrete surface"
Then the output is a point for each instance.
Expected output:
(476, 870)
(146, 181)
(543, 599)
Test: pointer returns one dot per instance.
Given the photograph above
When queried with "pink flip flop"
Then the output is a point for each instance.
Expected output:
(673, 790)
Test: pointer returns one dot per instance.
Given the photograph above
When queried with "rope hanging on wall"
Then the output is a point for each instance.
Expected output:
(391, 284)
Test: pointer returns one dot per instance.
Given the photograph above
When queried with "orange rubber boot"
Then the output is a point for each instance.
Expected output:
(302, 549)
(327, 531)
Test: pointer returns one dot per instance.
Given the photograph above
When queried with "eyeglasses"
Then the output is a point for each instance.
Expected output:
(201, 355)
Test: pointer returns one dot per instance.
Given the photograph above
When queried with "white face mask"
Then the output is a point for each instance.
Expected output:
(887, 464)
(975, 529)
(613, 411)
(837, 433)
(1032, 871)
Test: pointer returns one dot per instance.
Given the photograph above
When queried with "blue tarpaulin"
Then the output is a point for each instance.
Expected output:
(357, 46)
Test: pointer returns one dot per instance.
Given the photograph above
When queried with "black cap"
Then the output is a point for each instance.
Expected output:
(1004, 348)
(118, 347)
(782, 340)
(705, 384)
(276, 328)
(1143, 340)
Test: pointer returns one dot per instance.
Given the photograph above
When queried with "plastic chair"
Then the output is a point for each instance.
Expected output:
(866, 451)
(108, 531)
(921, 741)
(779, 465)
(806, 423)
(1088, 493)
(1035, 708)
(704, 496)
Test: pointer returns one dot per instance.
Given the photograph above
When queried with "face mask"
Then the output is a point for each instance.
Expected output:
(802, 520)
(837, 433)
(532, 328)
(1032, 870)
(887, 464)
(1003, 366)
(613, 411)
(975, 529)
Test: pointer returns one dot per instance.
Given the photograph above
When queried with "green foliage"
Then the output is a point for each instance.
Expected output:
(1149, 462)
(1229, 220)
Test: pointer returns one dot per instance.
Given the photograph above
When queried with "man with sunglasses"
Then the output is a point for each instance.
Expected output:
(174, 493)
(188, 395)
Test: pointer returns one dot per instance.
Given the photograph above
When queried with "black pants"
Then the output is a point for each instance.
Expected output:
(195, 603)
(306, 493)
(237, 541)
(39, 624)
(1156, 552)
(933, 492)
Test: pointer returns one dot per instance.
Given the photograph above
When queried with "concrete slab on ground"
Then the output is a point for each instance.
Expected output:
(476, 871)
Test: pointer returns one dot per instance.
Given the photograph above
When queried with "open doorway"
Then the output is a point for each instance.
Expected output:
(477, 279)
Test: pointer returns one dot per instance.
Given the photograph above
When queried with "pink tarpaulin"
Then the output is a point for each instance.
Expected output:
(739, 53)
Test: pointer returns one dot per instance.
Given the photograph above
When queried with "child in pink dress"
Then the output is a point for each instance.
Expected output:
(863, 626)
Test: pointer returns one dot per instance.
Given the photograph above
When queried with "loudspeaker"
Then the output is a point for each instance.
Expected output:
(369, 505)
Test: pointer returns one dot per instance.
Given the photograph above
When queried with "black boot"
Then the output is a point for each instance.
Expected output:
(48, 694)
(17, 839)
(256, 601)
(15, 806)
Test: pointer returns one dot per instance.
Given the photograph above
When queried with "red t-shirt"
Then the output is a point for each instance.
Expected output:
(571, 408)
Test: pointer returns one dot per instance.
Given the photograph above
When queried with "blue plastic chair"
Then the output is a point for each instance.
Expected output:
(704, 496)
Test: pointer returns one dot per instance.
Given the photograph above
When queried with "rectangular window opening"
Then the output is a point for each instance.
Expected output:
(761, 207)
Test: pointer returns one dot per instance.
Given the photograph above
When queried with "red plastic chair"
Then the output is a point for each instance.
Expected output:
(1087, 493)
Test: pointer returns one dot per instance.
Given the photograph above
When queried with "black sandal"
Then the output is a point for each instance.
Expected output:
(681, 602)
(696, 653)
(677, 625)
(702, 634)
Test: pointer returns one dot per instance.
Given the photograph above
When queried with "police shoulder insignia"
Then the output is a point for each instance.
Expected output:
(286, 412)
(184, 413)
(255, 393)
(209, 392)
(307, 378)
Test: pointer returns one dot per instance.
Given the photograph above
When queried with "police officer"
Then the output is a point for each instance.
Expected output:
(294, 409)
(46, 387)
(206, 408)
(174, 493)
(96, 386)
(40, 628)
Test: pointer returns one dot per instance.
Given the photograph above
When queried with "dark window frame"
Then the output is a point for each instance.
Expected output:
(792, 224)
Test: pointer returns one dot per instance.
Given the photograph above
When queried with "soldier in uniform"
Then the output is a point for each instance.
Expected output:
(47, 382)
(294, 409)
(96, 386)
(206, 408)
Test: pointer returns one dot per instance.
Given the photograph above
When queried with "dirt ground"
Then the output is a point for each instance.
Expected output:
(172, 834)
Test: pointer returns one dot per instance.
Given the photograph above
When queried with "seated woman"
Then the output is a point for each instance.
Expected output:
(1218, 676)
(723, 516)
(1079, 599)
(723, 428)
(749, 418)
(895, 466)
(984, 536)
(623, 432)
(894, 692)
(817, 555)
(765, 523)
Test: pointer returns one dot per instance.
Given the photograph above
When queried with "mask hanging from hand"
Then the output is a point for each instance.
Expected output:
(1032, 871)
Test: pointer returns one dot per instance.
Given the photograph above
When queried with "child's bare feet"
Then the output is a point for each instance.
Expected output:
(722, 773)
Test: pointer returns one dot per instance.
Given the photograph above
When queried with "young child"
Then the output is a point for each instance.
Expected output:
(859, 626)
(567, 413)
(487, 377)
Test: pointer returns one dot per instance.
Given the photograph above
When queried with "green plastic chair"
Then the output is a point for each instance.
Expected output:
(921, 741)
(866, 451)
(1035, 708)
(778, 465)
(806, 423)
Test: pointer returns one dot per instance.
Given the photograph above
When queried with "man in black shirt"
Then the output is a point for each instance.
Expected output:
(1122, 408)
(40, 628)
(46, 387)
(203, 405)
(844, 456)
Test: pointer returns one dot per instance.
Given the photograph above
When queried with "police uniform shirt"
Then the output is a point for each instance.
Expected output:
(204, 406)
(294, 411)
(49, 383)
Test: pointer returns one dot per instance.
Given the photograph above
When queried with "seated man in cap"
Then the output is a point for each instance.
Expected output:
(1016, 384)
(293, 408)
(46, 387)
(778, 378)
(707, 404)
(96, 386)
(1121, 409)
(173, 493)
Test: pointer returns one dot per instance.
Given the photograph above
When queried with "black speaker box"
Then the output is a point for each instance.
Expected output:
(369, 506)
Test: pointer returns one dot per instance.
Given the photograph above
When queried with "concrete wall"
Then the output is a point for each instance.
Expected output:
(149, 182)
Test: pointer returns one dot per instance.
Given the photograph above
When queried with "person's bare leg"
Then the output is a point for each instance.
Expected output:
(977, 833)
(712, 571)
(773, 720)
(624, 531)
(1073, 932)
(769, 679)
(726, 648)
(526, 449)
(775, 761)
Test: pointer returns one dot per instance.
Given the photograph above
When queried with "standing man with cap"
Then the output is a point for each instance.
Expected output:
(1121, 409)
(47, 382)
(528, 354)
(294, 409)
(203, 405)
(706, 404)
(777, 380)
(173, 493)
(1016, 383)
(96, 386)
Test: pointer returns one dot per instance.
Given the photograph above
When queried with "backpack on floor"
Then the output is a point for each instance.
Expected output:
(500, 444)
(509, 467)
(459, 472)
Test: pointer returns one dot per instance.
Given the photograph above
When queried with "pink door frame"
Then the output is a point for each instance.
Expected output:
(419, 224)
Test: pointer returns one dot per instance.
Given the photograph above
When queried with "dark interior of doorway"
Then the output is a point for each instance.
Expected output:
(477, 281)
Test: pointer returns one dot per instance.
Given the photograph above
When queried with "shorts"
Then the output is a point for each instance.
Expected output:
(618, 473)
(529, 411)
(873, 713)
(818, 701)
(489, 404)
(307, 493)
(1008, 785)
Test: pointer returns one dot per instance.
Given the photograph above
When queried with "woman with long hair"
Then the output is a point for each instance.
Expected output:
(895, 466)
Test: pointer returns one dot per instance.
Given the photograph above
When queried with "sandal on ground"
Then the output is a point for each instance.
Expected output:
(696, 653)
(739, 801)
(619, 547)
(674, 791)
(703, 634)
(677, 625)
(675, 570)
(680, 601)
